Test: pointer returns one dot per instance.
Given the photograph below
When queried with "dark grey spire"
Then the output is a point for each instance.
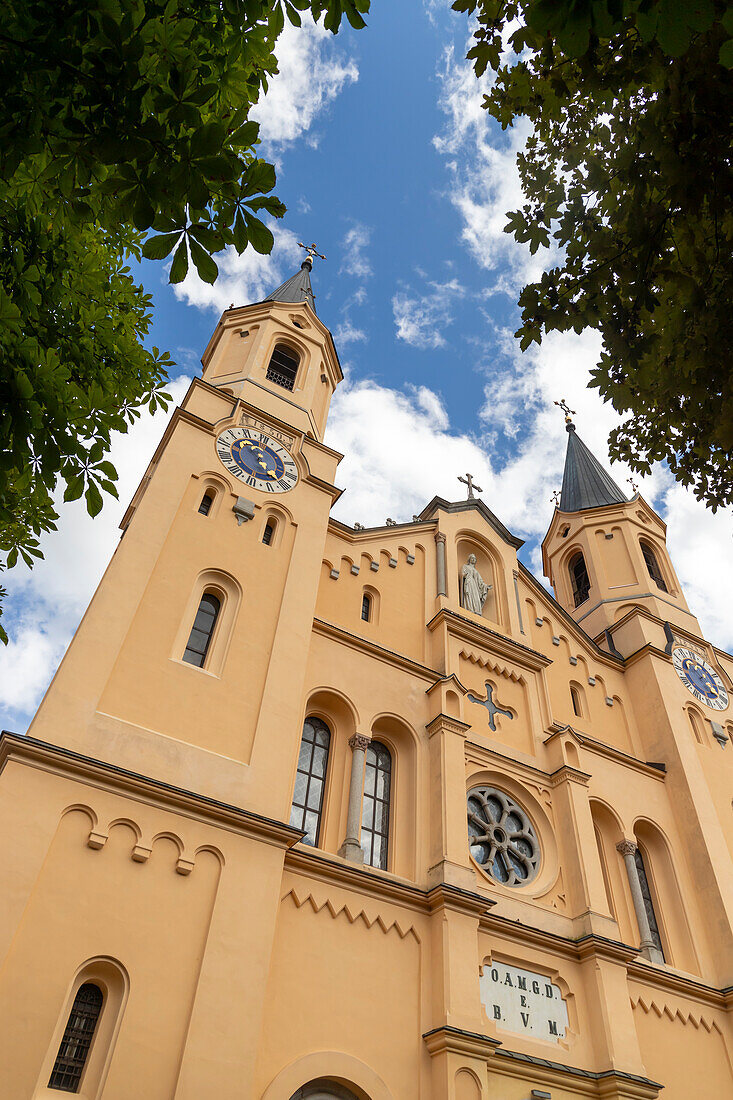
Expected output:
(297, 288)
(585, 483)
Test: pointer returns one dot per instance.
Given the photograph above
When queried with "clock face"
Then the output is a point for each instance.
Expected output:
(257, 459)
(699, 678)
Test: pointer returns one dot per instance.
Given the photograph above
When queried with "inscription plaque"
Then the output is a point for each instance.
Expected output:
(523, 1001)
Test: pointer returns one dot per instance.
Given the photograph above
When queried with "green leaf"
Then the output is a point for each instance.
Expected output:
(179, 267)
(203, 262)
(157, 248)
(93, 498)
(259, 235)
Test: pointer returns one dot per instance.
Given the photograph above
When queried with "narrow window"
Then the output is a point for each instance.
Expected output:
(366, 607)
(74, 1049)
(579, 579)
(575, 696)
(268, 533)
(648, 903)
(283, 367)
(375, 808)
(206, 501)
(202, 629)
(310, 779)
(653, 566)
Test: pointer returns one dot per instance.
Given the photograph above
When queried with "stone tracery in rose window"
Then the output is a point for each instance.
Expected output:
(501, 837)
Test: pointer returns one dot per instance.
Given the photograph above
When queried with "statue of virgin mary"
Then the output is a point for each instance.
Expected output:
(474, 588)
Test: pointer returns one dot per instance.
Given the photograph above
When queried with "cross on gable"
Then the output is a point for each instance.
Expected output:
(490, 705)
(468, 480)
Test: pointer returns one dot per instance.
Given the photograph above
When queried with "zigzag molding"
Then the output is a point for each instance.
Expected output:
(351, 914)
(675, 1014)
(500, 670)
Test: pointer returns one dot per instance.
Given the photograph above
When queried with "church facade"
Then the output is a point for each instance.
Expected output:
(367, 814)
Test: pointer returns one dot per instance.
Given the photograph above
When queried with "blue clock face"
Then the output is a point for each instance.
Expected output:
(257, 459)
(699, 678)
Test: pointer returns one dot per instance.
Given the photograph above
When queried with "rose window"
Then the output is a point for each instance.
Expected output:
(501, 837)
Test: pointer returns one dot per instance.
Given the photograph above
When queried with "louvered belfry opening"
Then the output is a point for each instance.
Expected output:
(283, 367)
(74, 1049)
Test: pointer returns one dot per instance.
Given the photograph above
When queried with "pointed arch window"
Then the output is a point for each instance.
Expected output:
(202, 630)
(648, 903)
(652, 565)
(283, 366)
(579, 578)
(375, 807)
(77, 1039)
(310, 779)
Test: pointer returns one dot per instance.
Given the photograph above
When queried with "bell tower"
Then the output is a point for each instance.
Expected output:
(191, 655)
(606, 555)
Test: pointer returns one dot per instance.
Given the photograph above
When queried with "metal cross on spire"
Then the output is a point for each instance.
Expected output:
(468, 480)
(311, 251)
(569, 413)
(633, 484)
(555, 498)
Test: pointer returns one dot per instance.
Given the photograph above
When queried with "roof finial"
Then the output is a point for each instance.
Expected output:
(468, 480)
(634, 486)
(569, 414)
(311, 251)
(555, 498)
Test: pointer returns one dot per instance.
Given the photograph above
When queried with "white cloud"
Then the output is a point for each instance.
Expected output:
(354, 244)
(44, 605)
(347, 333)
(399, 453)
(312, 72)
(421, 319)
(482, 165)
(246, 278)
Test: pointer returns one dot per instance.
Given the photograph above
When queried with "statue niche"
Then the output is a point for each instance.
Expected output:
(476, 588)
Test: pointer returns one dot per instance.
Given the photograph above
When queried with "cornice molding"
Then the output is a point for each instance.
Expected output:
(577, 950)
(33, 753)
(454, 1040)
(364, 645)
(611, 1083)
(601, 749)
(660, 977)
(473, 632)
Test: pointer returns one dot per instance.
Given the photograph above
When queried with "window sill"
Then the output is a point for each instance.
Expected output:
(195, 668)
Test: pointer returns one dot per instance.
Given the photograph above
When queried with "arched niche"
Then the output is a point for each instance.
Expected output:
(333, 1065)
(609, 832)
(342, 718)
(402, 742)
(111, 978)
(489, 566)
(228, 592)
(667, 899)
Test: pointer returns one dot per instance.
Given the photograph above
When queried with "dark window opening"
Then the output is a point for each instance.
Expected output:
(648, 903)
(206, 501)
(74, 1049)
(366, 608)
(283, 367)
(579, 579)
(310, 778)
(375, 807)
(202, 630)
(575, 696)
(268, 533)
(653, 566)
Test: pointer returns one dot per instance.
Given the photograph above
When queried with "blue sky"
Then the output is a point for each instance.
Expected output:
(386, 160)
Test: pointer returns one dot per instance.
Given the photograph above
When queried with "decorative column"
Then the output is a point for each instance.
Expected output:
(440, 548)
(351, 847)
(649, 949)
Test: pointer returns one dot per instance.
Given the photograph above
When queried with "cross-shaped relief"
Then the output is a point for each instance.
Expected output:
(491, 707)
